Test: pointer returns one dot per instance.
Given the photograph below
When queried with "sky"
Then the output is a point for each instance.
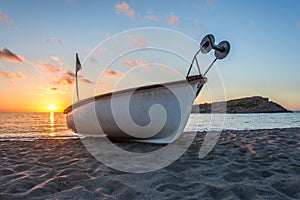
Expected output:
(39, 39)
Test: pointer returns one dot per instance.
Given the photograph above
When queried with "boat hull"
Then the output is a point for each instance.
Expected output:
(156, 113)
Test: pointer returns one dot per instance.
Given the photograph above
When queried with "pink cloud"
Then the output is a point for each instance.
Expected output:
(153, 17)
(173, 19)
(57, 59)
(12, 76)
(107, 35)
(6, 54)
(92, 59)
(168, 69)
(134, 63)
(48, 89)
(53, 88)
(141, 42)
(3, 18)
(112, 73)
(68, 78)
(101, 50)
(125, 9)
(51, 68)
(101, 83)
(179, 70)
(85, 80)
(298, 24)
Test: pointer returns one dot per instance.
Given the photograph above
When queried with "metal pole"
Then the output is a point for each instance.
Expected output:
(210, 66)
(77, 85)
(198, 66)
(193, 61)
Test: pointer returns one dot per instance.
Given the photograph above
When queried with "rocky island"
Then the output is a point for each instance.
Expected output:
(254, 104)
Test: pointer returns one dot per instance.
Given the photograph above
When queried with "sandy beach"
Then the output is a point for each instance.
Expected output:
(256, 164)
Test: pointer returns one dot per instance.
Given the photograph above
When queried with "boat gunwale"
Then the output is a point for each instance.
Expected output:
(82, 102)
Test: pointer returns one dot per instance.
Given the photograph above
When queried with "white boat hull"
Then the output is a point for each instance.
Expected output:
(156, 114)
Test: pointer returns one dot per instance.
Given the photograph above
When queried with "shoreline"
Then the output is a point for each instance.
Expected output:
(30, 139)
(248, 164)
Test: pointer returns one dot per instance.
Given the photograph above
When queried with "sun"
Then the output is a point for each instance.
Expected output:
(52, 107)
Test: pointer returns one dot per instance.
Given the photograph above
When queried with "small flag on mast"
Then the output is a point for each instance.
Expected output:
(78, 64)
(78, 67)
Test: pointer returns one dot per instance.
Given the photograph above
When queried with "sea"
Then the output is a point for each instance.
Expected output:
(32, 126)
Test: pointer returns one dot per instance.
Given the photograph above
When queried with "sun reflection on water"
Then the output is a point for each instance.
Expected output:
(51, 125)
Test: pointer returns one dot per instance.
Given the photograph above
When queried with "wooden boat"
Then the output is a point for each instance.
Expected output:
(155, 113)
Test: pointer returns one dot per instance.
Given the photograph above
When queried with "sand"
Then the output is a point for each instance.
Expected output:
(258, 164)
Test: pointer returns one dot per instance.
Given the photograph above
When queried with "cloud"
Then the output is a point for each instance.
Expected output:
(101, 50)
(112, 73)
(6, 54)
(101, 83)
(48, 89)
(107, 35)
(12, 76)
(4, 18)
(51, 68)
(68, 78)
(152, 17)
(173, 19)
(179, 70)
(168, 69)
(53, 88)
(125, 9)
(57, 59)
(134, 63)
(55, 40)
(298, 24)
(92, 59)
(141, 42)
(85, 80)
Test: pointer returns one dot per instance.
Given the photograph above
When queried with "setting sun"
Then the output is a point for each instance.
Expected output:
(52, 107)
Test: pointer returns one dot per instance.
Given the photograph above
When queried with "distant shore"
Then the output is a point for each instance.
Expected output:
(244, 164)
(255, 104)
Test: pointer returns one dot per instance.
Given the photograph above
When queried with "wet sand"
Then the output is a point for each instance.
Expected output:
(256, 164)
